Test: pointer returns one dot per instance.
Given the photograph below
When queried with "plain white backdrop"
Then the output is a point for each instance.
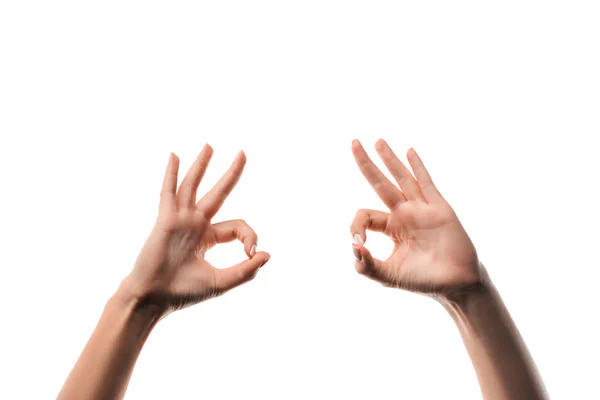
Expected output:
(500, 99)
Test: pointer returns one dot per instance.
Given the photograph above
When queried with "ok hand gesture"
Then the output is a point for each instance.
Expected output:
(171, 271)
(432, 252)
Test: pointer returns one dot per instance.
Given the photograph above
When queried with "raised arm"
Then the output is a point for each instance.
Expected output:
(433, 255)
(169, 274)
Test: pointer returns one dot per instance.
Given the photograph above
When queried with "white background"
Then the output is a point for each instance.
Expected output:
(501, 99)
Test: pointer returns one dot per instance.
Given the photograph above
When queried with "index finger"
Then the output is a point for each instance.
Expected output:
(214, 199)
(385, 189)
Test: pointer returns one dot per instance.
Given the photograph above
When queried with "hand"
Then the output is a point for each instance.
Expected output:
(432, 252)
(171, 272)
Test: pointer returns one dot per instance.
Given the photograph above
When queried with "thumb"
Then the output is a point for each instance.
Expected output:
(367, 265)
(228, 278)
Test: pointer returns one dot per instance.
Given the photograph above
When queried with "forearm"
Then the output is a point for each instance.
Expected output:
(105, 365)
(503, 365)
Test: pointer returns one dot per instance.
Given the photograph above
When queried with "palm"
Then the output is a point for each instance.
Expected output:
(195, 281)
(185, 274)
(432, 252)
(190, 278)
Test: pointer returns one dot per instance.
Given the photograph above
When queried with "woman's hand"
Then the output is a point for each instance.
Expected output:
(432, 252)
(171, 272)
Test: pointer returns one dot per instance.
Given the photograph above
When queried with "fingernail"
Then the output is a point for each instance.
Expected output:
(252, 250)
(358, 239)
(357, 254)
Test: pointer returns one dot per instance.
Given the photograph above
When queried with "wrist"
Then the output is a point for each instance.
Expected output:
(477, 309)
(137, 307)
(459, 298)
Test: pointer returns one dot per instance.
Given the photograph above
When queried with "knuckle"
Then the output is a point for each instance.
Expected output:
(361, 214)
(426, 183)
(360, 218)
(242, 274)
(378, 186)
(242, 224)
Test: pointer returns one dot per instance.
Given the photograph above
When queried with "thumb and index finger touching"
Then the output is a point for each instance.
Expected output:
(227, 231)
(209, 205)
(245, 271)
(364, 220)
(419, 188)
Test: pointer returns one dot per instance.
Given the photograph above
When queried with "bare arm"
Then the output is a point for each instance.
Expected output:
(433, 255)
(502, 362)
(170, 273)
(105, 365)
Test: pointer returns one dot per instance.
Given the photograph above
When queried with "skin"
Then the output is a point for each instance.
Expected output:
(170, 273)
(434, 256)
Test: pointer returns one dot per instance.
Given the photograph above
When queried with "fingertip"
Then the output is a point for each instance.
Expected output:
(261, 254)
(208, 148)
(380, 144)
(356, 145)
(411, 152)
(174, 163)
(252, 251)
(267, 258)
(240, 160)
